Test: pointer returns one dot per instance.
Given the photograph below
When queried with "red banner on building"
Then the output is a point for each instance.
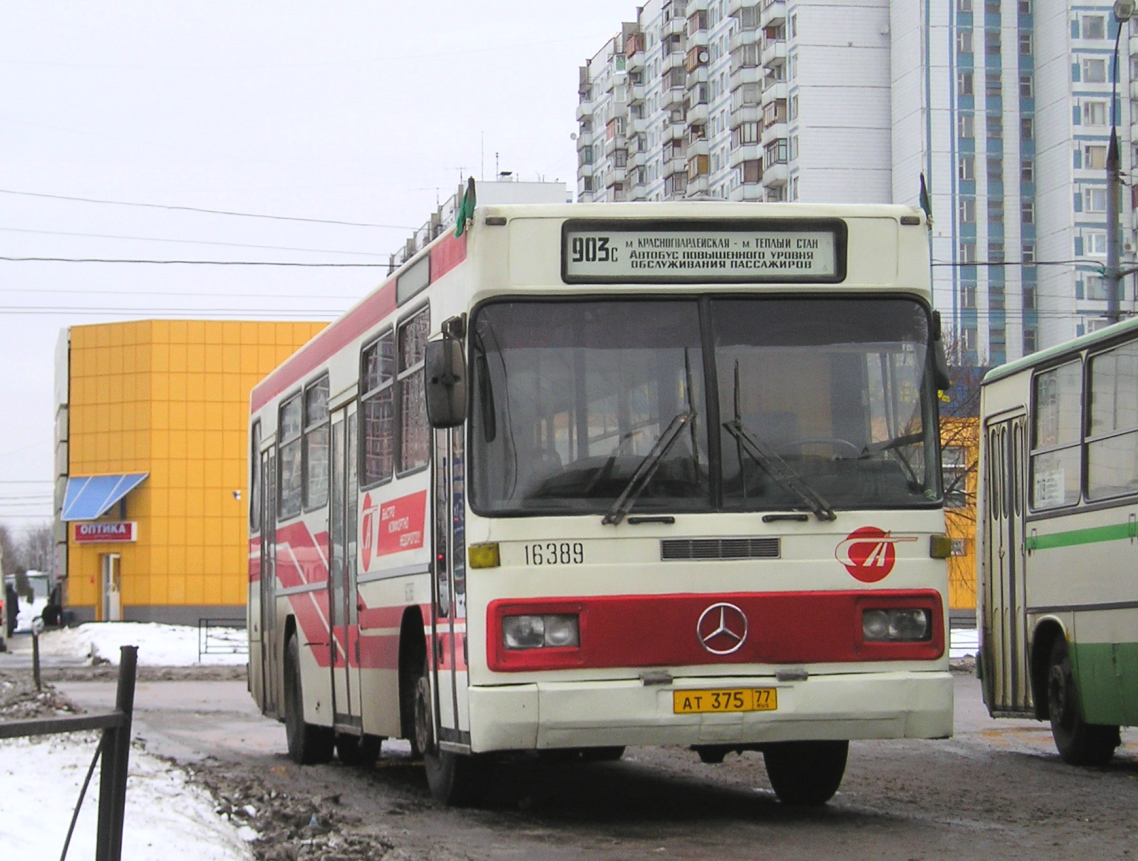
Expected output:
(117, 532)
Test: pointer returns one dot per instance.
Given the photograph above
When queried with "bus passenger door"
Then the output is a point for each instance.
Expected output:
(270, 649)
(449, 586)
(343, 610)
(1007, 686)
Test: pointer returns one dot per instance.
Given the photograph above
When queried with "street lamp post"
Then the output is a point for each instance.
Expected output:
(1123, 10)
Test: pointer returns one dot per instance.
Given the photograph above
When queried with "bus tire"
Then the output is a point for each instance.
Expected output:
(1078, 742)
(452, 778)
(358, 750)
(806, 773)
(308, 744)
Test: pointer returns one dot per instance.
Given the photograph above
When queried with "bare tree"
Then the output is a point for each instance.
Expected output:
(8, 552)
(37, 548)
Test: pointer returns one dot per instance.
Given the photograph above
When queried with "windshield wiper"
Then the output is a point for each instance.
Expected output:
(897, 441)
(647, 468)
(774, 466)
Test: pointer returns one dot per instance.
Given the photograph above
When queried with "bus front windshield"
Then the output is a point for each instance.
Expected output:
(712, 404)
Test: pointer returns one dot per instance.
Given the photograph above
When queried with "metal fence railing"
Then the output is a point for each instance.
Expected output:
(114, 748)
(222, 637)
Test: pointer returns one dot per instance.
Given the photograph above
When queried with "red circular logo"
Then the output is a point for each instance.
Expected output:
(869, 553)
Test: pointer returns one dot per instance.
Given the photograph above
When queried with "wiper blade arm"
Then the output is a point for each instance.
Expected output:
(774, 466)
(647, 468)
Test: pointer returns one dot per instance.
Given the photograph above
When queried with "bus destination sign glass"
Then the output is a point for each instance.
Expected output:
(735, 251)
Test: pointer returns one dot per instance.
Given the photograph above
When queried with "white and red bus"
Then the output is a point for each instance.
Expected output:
(589, 476)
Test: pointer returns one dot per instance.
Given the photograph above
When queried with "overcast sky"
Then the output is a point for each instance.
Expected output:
(365, 112)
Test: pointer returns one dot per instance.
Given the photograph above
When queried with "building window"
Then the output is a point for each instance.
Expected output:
(964, 83)
(1094, 243)
(954, 471)
(967, 252)
(1026, 87)
(1027, 253)
(1029, 300)
(967, 168)
(1025, 7)
(966, 126)
(1094, 157)
(995, 126)
(1094, 113)
(995, 252)
(1094, 70)
(968, 339)
(967, 295)
(963, 5)
(964, 41)
(1027, 212)
(967, 210)
(1094, 27)
(995, 210)
(1025, 43)
(1095, 288)
(316, 478)
(414, 432)
(995, 170)
(1094, 199)
(378, 406)
(1027, 170)
(291, 459)
(991, 41)
(1029, 341)
(1027, 128)
(992, 88)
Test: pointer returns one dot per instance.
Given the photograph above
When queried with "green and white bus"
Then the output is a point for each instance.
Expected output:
(1058, 532)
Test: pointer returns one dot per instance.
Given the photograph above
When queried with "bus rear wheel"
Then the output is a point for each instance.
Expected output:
(1078, 742)
(308, 744)
(806, 773)
(452, 778)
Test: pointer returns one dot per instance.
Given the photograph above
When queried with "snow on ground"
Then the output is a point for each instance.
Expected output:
(158, 645)
(166, 819)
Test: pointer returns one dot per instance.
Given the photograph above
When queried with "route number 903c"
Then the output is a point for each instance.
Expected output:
(593, 249)
(555, 553)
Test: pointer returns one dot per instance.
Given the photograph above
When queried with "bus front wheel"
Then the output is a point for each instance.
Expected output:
(1078, 742)
(806, 773)
(451, 777)
(308, 744)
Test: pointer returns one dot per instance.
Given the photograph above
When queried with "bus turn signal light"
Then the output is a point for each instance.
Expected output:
(485, 555)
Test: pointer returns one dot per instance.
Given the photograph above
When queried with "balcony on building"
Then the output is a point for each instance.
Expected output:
(698, 75)
(633, 46)
(697, 25)
(673, 98)
(674, 60)
(735, 7)
(744, 75)
(673, 27)
(775, 174)
(636, 93)
(774, 120)
(773, 13)
(751, 152)
(774, 53)
(744, 37)
(615, 177)
(584, 110)
(673, 132)
(615, 144)
(696, 145)
(745, 114)
(674, 162)
(696, 111)
(750, 193)
(773, 91)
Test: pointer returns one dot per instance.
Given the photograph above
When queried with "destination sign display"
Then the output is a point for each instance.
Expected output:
(606, 251)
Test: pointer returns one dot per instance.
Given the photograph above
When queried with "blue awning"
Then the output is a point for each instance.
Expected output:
(88, 498)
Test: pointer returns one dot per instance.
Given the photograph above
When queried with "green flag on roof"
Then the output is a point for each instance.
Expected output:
(465, 209)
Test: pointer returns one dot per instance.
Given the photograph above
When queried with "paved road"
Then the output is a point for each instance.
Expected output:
(995, 790)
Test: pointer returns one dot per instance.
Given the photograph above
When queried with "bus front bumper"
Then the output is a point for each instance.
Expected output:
(600, 714)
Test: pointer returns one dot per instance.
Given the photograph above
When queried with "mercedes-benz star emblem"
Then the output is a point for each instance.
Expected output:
(722, 628)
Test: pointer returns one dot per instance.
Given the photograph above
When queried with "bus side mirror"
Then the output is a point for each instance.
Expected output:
(446, 383)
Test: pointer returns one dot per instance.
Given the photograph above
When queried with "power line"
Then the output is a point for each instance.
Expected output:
(204, 210)
(189, 241)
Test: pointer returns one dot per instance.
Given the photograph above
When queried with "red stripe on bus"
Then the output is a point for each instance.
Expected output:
(447, 255)
(302, 558)
(369, 313)
(665, 630)
(311, 612)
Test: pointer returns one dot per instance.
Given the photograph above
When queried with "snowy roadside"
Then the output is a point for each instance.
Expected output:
(167, 818)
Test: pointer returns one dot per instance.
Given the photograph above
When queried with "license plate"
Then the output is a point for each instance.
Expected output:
(735, 700)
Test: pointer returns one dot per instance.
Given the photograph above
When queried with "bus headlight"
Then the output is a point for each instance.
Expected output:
(536, 632)
(902, 624)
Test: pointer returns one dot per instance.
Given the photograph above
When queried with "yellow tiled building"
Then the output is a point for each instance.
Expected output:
(151, 462)
(960, 443)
